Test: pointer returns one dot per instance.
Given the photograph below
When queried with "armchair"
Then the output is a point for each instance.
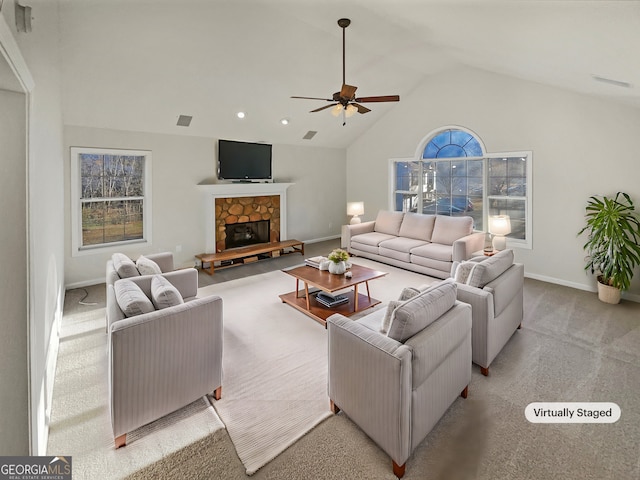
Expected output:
(163, 360)
(494, 289)
(397, 387)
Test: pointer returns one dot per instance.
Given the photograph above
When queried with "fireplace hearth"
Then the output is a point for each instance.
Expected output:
(246, 233)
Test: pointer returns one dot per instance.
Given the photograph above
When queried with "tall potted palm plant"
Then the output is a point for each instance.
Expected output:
(613, 238)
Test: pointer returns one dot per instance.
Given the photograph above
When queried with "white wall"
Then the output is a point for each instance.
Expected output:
(14, 402)
(38, 50)
(179, 163)
(581, 146)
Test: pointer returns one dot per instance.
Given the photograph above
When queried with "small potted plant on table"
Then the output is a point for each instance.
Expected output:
(338, 258)
(613, 237)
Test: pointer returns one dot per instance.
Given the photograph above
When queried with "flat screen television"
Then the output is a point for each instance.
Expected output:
(244, 160)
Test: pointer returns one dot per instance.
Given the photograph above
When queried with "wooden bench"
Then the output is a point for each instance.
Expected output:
(242, 255)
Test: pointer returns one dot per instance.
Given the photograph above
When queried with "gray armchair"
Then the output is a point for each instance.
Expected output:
(164, 359)
(397, 387)
(494, 289)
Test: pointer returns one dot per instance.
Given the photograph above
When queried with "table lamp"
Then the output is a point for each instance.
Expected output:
(499, 226)
(355, 209)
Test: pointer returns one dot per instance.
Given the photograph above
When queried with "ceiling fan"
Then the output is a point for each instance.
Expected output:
(345, 100)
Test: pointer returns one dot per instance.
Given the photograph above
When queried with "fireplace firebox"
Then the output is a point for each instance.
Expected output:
(246, 233)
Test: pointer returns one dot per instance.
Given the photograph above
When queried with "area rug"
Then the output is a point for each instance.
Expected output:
(80, 424)
(274, 387)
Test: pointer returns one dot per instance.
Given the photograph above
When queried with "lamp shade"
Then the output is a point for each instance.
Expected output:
(500, 225)
(355, 208)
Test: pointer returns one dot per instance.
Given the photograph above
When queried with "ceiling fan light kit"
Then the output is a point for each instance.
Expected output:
(345, 100)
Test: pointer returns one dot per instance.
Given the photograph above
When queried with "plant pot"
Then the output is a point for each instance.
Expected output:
(607, 293)
(337, 268)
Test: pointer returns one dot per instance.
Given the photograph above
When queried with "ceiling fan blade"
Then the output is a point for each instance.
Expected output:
(315, 98)
(322, 108)
(382, 98)
(361, 108)
(348, 91)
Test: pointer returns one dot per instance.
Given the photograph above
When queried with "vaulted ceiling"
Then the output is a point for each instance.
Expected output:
(139, 64)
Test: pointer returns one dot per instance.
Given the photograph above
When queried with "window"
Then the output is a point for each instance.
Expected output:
(455, 176)
(111, 197)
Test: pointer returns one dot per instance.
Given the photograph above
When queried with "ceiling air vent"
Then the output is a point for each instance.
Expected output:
(184, 120)
(309, 135)
(611, 81)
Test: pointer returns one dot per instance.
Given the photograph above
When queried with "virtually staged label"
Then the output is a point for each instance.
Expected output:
(572, 412)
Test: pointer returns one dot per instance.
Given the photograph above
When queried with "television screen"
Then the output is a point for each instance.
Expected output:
(243, 160)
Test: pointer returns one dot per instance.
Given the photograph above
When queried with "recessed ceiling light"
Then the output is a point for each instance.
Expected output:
(240, 114)
(284, 121)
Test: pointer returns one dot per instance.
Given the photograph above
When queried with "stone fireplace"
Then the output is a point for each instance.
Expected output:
(245, 216)
(237, 204)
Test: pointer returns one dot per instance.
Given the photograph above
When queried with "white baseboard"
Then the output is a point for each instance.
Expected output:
(85, 283)
(578, 286)
(323, 239)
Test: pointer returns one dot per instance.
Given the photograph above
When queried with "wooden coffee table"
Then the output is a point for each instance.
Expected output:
(305, 301)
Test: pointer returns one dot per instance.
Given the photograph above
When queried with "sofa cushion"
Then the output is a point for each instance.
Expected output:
(372, 239)
(435, 251)
(146, 266)
(131, 299)
(124, 266)
(422, 310)
(388, 222)
(402, 244)
(418, 226)
(490, 268)
(163, 293)
(449, 229)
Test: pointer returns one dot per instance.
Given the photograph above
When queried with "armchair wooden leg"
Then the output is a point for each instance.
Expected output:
(465, 392)
(520, 325)
(217, 393)
(398, 470)
(121, 441)
(484, 371)
(334, 408)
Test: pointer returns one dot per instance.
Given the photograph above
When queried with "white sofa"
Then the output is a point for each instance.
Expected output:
(422, 243)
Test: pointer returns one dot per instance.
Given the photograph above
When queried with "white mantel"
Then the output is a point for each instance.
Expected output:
(225, 190)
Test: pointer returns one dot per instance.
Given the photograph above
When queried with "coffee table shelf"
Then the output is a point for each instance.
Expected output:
(330, 283)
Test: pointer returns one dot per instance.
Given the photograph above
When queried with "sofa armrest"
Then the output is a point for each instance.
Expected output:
(464, 247)
(370, 380)
(163, 259)
(506, 287)
(163, 360)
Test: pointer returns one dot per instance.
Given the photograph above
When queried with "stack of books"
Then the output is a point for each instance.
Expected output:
(329, 300)
(315, 261)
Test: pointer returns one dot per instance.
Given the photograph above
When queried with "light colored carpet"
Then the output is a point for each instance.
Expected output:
(275, 363)
(80, 423)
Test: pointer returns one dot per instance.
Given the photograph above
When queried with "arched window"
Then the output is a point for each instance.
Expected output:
(453, 174)
(453, 143)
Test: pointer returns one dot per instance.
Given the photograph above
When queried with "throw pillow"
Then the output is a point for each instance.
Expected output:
(388, 316)
(131, 299)
(163, 293)
(407, 293)
(422, 310)
(463, 271)
(146, 266)
(490, 268)
(124, 266)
